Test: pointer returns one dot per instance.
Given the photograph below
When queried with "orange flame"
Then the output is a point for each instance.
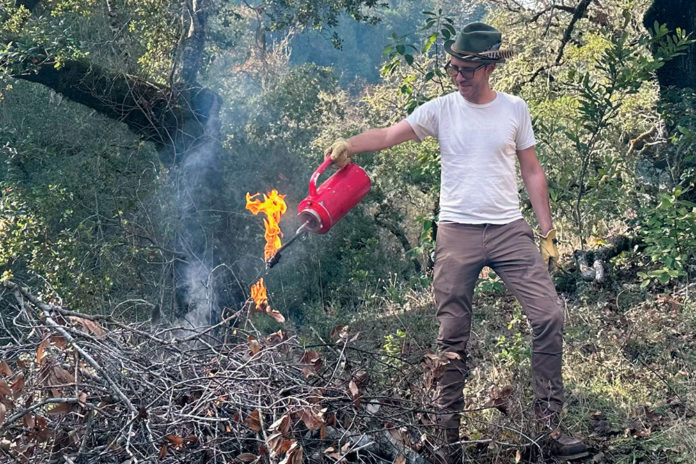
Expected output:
(273, 205)
(258, 294)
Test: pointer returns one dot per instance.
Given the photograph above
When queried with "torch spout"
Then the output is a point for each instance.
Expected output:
(300, 232)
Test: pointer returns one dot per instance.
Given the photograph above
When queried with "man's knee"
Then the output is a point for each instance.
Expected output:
(545, 316)
(453, 334)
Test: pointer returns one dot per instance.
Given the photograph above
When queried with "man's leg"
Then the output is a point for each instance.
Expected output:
(458, 261)
(514, 256)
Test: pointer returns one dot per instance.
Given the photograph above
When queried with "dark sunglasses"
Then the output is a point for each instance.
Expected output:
(467, 73)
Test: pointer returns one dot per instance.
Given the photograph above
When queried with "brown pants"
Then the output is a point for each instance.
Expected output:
(462, 251)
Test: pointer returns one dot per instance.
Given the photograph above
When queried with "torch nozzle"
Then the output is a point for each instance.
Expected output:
(300, 232)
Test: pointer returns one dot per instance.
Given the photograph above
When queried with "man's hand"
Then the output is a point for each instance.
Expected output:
(549, 250)
(339, 153)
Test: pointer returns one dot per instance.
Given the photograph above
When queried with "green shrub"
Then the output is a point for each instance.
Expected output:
(669, 231)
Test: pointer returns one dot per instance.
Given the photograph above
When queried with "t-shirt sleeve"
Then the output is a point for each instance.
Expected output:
(525, 134)
(424, 120)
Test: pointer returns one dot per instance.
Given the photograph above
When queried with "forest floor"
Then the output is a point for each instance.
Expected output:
(348, 385)
(629, 360)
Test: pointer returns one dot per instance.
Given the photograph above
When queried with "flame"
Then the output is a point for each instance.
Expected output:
(274, 206)
(258, 294)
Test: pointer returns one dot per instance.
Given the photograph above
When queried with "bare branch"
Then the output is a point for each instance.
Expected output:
(579, 13)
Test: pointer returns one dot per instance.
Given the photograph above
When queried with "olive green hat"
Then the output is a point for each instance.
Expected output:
(478, 42)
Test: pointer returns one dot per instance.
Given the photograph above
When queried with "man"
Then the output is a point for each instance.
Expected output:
(481, 132)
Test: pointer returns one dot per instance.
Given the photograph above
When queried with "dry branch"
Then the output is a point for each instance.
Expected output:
(96, 390)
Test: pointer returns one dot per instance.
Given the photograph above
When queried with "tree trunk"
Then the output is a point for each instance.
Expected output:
(681, 71)
(183, 124)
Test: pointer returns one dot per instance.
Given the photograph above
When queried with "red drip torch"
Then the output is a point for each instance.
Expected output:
(327, 204)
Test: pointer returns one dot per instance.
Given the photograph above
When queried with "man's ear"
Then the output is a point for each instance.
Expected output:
(490, 68)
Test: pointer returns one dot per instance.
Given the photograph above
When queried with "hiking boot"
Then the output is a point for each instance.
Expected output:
(565, 447)
(450, 450)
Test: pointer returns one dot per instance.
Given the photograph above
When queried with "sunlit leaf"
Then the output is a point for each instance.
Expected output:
(40, 351)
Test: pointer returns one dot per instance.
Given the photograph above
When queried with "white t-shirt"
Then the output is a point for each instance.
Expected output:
(478, 144)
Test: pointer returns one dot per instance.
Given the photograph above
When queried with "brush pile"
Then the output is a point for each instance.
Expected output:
(91, 389)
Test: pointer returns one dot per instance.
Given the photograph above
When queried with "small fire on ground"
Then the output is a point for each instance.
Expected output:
(273, 206)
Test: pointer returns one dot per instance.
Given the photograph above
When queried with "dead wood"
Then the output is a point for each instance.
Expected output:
(597, 271)
(95, 390)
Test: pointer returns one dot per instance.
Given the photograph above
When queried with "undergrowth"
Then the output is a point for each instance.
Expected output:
(628, 366)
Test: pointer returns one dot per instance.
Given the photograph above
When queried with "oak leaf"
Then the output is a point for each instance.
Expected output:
(331, 452)
(28, 420)
(253, 421)
(312, 363)
(89, 326)
(276, 337)
(294, 455)
(60, 408)
(277, 444)
(82, 399)
(354, 393)
(340, 331)
(5, 369)
(59, 341)
(254, 346)
(313, 417)
(17, 385)
(5, 390)
(174, 440)
(41, 350)
(282, 425)
(275, 315)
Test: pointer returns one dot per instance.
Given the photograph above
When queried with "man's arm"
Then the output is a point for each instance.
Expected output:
(370, 140)
(379, 139)
(535, 183)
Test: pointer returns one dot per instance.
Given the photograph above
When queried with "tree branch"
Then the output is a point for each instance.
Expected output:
(194, 44)
(579, 13)
(167, 117)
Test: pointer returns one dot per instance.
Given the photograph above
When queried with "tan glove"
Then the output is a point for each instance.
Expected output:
(548, 248)
(339, 153)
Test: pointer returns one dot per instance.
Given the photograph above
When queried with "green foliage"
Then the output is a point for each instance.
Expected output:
(669, 232)
(489, 285)
(513, 348)
(678, 109)
(437, 29)
(393, 343)
(618, 72)
(426, 242)
(90, 241)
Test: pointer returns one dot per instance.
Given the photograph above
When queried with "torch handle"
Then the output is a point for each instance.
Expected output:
(313, 180)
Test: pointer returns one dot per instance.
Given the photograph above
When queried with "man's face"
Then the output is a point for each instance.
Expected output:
(472, 80)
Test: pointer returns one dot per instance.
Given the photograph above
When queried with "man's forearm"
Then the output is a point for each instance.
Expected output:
(537, 190)
(370, 140)
(381, 138)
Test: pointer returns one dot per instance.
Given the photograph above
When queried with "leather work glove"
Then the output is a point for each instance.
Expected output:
(548, 248)
(339, 153)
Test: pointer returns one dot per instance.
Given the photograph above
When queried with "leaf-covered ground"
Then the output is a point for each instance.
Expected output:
(628, 369)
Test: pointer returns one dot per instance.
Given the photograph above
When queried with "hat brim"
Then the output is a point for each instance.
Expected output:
(493, 56)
